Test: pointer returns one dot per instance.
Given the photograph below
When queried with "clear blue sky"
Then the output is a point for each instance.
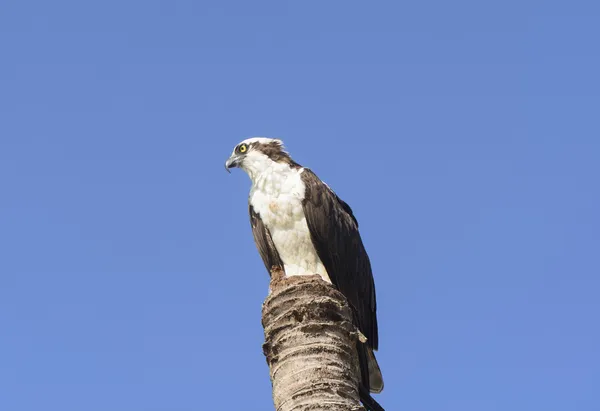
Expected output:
(465, 136)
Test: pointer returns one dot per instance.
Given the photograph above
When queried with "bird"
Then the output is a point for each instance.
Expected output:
(302, 226)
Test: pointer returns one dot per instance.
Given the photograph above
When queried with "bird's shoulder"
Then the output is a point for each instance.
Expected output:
(316, 189)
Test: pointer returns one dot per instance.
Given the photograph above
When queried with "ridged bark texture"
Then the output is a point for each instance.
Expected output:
(310, 345)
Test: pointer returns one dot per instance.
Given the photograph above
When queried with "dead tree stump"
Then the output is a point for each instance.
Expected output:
(310, 345)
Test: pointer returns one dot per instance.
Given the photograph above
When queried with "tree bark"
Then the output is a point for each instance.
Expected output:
(310, 345)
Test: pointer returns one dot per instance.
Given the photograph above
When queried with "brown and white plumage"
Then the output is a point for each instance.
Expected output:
(301, 225)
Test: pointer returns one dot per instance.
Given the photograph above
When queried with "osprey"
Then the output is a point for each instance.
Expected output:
(300, 225)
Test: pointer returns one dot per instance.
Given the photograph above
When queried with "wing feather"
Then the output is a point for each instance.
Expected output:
(335, 236)
(264, 242)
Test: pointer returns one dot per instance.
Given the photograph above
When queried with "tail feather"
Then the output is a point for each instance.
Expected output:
(371, 379)
(375, 377)
(370, 374)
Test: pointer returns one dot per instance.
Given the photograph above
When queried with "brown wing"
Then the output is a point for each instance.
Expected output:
(264, 242)
(335, 236)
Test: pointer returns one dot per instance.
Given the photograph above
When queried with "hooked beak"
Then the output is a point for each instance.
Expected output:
(233, 161)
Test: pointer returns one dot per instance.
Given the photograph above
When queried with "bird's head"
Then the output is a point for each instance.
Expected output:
(259, 154)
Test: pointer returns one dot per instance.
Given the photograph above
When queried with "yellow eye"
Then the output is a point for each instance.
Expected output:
(243, 148)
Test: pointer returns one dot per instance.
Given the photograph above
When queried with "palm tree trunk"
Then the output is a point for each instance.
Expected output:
(310, 345)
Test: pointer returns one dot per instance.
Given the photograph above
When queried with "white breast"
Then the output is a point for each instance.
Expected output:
(277, 198)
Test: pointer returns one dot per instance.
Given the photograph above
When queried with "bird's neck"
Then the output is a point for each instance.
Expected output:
(271, 180)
